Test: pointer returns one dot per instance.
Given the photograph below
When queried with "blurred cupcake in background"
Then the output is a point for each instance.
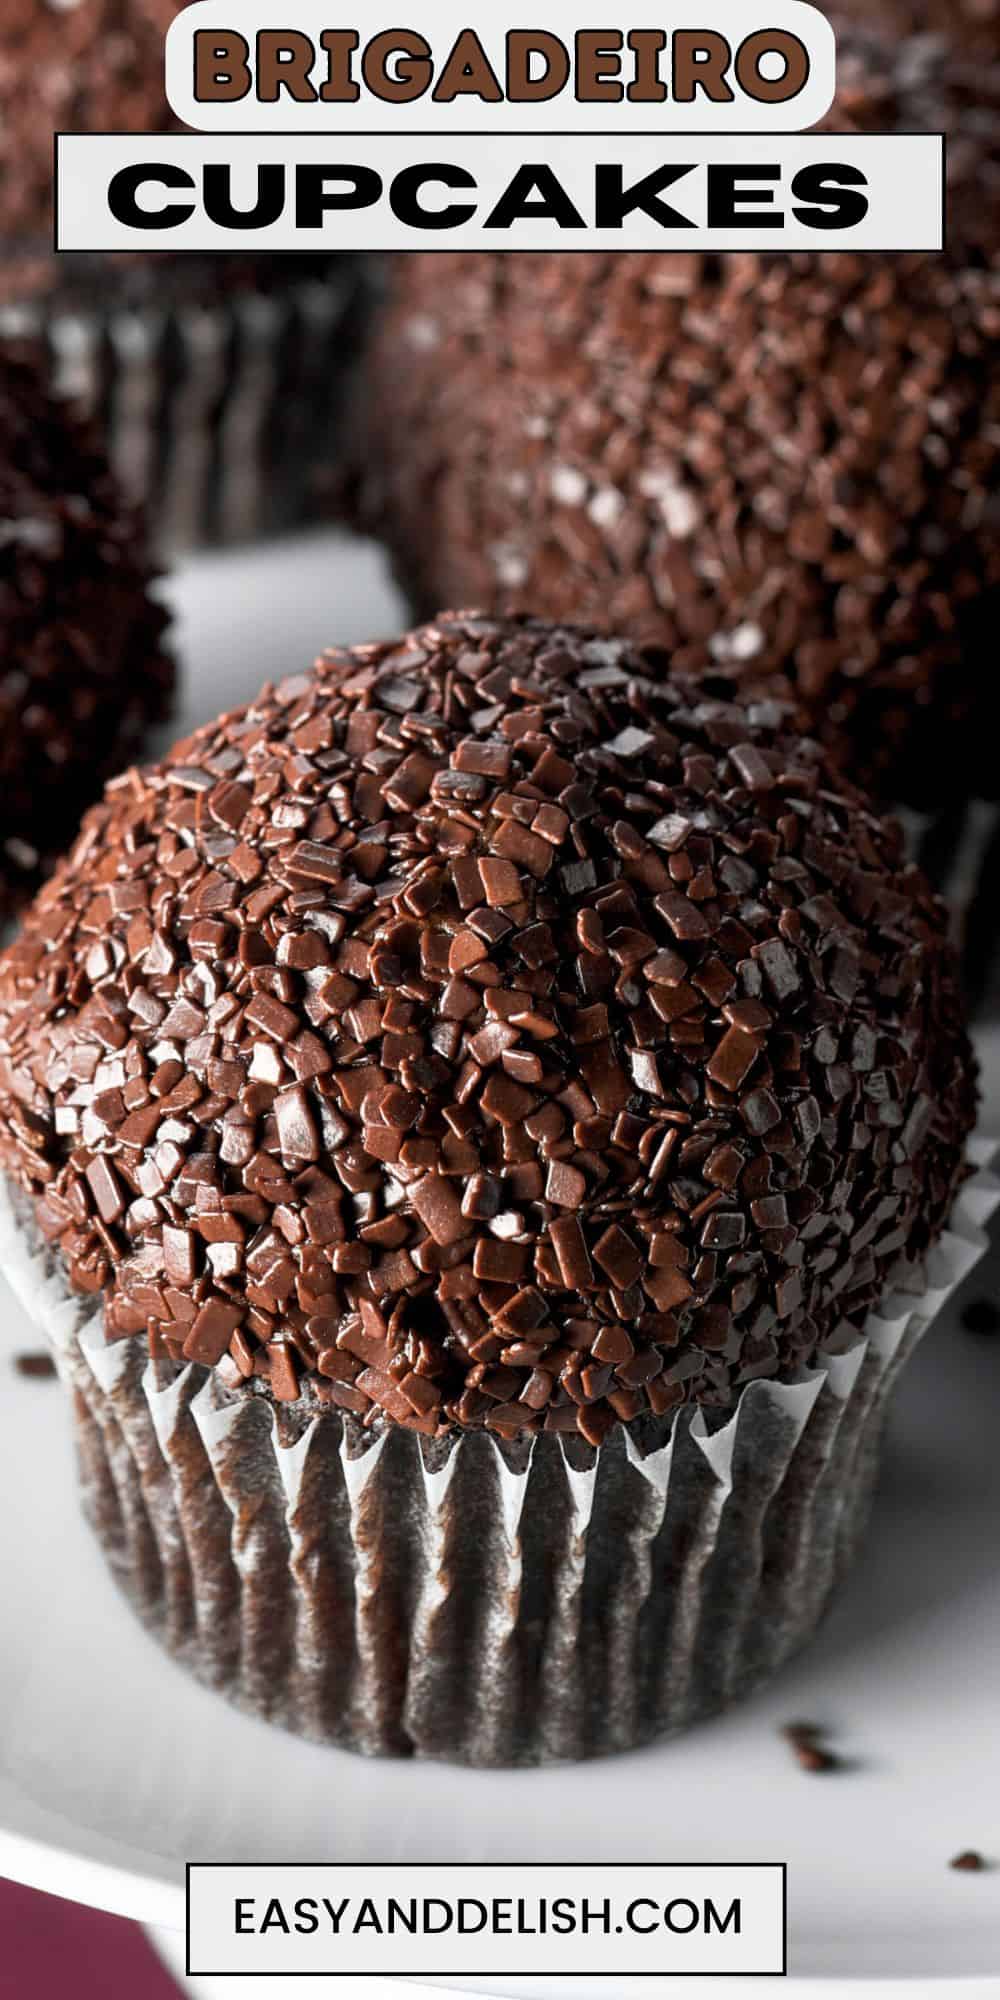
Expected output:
(971, 26)
(216, 378)
(83, 668)
(786, 468)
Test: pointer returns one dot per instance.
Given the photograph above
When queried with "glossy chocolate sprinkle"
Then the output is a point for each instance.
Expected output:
(806, 1740)
(487, 1103)
(785, 469)
(82, 665)
(35, 1367)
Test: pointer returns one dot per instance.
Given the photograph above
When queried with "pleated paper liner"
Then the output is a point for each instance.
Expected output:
(222, 408)
(466, 1599)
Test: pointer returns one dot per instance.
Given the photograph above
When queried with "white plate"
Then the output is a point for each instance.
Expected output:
(115, 1767)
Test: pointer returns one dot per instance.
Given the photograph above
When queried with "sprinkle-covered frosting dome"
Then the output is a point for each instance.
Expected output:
(486, 1030)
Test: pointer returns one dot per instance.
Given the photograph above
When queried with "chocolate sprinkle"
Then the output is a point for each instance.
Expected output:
(784, 469)
(812, 1757)
(981, 1316)
(638, 1149)
(35, 1367)
(84, 671)
(805, 1739)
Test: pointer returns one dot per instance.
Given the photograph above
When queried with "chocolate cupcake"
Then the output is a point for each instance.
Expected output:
(218, 378)
(784, 468)
(86, 66)
(467, 1118)
(83, 670)
(972, 26)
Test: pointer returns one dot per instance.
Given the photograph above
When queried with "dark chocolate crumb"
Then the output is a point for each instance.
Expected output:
(805, 1739)
(812, 1758)
(981, 1316)
(36, 1367)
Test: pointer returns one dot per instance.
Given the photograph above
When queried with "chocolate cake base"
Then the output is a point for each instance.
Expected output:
(480, 1602)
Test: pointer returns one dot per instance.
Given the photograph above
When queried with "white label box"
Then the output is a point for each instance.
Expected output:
(304, 66)
(585, 192)
(459, 1920)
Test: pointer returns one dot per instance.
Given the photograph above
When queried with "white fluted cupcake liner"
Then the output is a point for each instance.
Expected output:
(485, 1602)
(222, 418)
